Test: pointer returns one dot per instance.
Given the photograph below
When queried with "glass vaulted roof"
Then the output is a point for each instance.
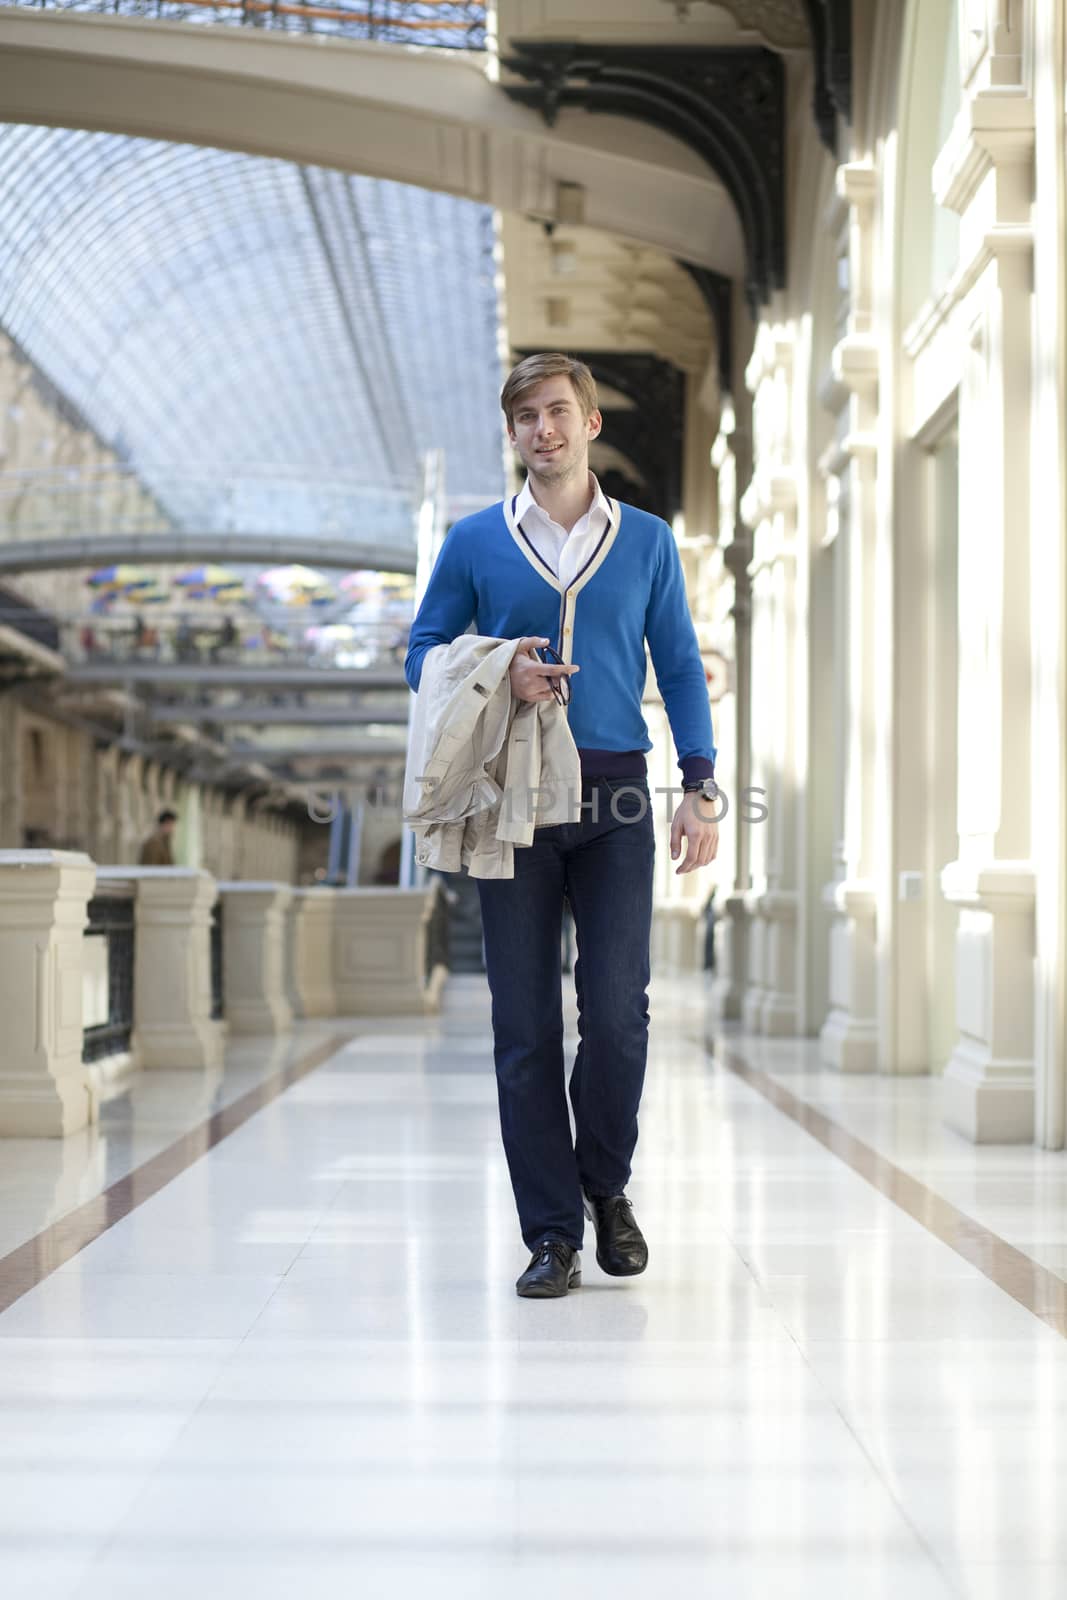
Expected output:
(271, 348)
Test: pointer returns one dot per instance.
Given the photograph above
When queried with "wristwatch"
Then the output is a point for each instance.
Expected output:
(706, 788)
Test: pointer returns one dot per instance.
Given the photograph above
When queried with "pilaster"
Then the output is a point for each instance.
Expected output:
(312, 925)
(380, 951)
(253, 956)
(769, 507)
(44, 1086)
(732, 624)
(1048, 575)
(172, 966)
(849, 1036)
(989, 1081)
(985, 173)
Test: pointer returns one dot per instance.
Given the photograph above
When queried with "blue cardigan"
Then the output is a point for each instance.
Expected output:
(631, 589)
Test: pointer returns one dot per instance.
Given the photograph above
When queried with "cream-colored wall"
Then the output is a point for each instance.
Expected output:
(939, 779)
(97, 800)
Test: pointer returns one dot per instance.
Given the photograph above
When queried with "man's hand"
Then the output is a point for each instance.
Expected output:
(695, 819)
(529, 676)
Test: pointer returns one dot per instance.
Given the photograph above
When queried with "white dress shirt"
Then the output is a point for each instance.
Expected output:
(565, 553)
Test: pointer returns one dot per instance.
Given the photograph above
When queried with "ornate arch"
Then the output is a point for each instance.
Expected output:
(727, 104)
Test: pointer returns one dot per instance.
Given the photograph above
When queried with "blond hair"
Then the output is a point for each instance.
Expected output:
(533, 370)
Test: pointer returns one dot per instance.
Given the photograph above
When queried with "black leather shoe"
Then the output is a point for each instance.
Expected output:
(554, 1268)
(621, 1250)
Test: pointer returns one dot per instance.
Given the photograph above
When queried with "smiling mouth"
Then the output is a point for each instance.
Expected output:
(548, 450)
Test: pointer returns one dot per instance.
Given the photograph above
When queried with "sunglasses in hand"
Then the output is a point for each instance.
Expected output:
(561, 686)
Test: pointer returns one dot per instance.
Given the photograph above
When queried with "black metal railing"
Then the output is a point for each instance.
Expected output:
(448, 24)
(40, 626)
(111, 917)
(437, 941)
(218, 990)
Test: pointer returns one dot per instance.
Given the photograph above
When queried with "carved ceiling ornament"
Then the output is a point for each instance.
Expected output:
(728, 104)
(781, 22)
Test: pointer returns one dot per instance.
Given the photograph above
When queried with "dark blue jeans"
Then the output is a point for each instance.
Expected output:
(603, 865)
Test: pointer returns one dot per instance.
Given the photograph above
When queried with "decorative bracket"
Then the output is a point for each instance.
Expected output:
(717, 293)
(727, 104)
(831, 44)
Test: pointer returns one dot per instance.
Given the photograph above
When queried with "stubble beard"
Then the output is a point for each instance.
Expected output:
(560, 468)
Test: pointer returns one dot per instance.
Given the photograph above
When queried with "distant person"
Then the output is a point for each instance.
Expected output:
(157, 850)
(185, 649)
(225, 639)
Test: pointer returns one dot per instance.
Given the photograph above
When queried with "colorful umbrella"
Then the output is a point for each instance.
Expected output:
(297, 586)
(121, 578)
(209, 578)
(398, 583)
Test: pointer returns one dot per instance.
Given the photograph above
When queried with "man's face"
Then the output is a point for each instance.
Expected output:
(168, 827)
(550, 433)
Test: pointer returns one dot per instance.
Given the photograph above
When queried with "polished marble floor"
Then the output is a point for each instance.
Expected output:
(301, 1368)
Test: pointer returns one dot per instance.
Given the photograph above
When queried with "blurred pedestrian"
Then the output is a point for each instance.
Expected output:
(157, 849)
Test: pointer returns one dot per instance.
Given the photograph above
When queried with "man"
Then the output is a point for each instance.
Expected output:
(560, 565)
(157, 850)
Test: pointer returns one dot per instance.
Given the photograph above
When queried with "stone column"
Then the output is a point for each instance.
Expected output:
(1048, 516)
(849, 1036)
(312, 932)
(733, 615)
(380, 951)
(253, 956)
(986, 174)
(769, 507)
(44, 1087)
(172, 966)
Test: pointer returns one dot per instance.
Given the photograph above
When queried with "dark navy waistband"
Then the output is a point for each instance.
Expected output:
(613, 763)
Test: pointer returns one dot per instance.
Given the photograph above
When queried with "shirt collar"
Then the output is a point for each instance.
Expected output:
(525, 502)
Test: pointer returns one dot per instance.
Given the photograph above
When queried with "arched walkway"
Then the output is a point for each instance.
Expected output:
(39, 555)
(433, 119)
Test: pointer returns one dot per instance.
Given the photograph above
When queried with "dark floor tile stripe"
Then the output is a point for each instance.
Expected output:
(1033, 1286)
(30, 1263)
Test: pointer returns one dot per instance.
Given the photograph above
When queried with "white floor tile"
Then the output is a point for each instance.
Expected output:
(302, 1368)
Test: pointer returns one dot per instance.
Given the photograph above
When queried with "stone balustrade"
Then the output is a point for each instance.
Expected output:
(380, 951)
(44, 1087)
(173, 1026)
(253, 956)
(304, 952)
(311, 936)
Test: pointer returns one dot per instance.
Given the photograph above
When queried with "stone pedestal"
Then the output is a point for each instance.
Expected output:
(380, 951)
(678, 937)
(778, 1010)
(172, 966)
(848, 1039)
(731, 960)
(253, 956)
(752, 997)
(44, 1087)
(989, 1080)
(769, 1005)
(311, 926)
